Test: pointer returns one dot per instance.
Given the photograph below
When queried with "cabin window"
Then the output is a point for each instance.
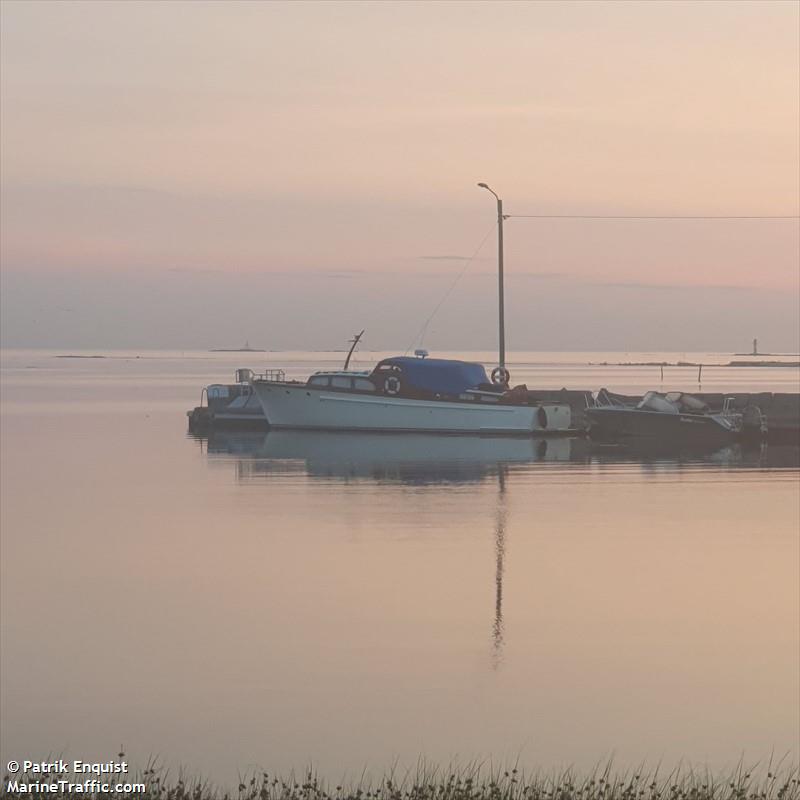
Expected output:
(319, 380)
(341, 383)
(363, 385)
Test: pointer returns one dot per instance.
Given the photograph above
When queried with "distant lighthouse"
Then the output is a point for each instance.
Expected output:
(755, 347)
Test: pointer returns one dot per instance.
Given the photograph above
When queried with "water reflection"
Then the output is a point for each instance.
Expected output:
(303, 603)
(500, 552)
(408, 459)
(425, 460)
(419, 459)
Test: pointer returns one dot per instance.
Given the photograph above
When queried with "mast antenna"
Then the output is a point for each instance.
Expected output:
(353, 342)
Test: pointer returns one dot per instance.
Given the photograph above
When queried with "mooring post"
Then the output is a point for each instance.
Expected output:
(699, 374)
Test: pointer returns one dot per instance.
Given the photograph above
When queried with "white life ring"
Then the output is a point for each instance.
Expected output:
(392, 385)
(500, 376)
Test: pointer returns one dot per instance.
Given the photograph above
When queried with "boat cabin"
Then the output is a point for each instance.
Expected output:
(419, 378)
(346, 381)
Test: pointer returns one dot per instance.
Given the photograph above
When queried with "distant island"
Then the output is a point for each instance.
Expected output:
(245, 349)
(693, 364)
(763, 364)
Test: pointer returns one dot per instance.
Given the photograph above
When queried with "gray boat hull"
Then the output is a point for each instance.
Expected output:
(622, 423)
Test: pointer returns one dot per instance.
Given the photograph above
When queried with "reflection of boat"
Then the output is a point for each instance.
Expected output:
(677, 452)
(366, 452)
(650, 450)
(421, 458)
(407, 458)
(372, 448)
(410, 395)
(662, 416)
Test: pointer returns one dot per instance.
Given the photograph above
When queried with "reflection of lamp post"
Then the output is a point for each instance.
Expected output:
(499, 551)
(500, 293)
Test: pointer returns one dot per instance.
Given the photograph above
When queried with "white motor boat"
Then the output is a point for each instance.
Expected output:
(412, 395)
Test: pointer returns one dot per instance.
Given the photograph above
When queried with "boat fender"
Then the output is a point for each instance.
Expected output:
(392, 385)
(541, 415)
(500, 376)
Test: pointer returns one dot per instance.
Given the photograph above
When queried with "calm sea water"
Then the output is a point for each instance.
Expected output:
(351, 601)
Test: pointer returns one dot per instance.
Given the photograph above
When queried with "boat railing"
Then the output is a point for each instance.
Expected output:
(603, 399)
(727, 406)
(272, 375)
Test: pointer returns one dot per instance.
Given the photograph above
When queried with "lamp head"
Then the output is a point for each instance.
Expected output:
(483, 186)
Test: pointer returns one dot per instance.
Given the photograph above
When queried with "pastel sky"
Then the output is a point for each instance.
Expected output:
(194, 174)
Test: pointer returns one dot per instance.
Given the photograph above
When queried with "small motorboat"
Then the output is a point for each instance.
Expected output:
(662, 416)
(232, 404)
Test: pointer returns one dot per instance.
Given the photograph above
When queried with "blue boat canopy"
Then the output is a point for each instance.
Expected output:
(439, 375)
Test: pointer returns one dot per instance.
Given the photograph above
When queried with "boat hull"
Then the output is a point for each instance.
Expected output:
(300, 407)
(621, 423)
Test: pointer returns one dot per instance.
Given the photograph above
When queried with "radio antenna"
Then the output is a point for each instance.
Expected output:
(353, 342)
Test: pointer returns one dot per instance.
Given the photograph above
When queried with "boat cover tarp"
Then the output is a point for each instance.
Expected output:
(653, 401)
(440, 375)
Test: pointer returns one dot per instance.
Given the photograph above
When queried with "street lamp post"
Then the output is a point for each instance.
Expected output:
(500, 290)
